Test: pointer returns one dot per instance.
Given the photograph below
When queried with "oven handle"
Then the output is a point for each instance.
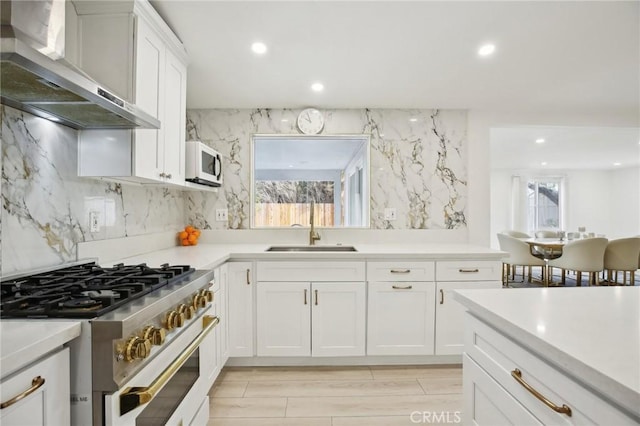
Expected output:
(132, 398)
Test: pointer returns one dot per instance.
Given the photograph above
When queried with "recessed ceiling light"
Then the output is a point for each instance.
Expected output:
(413, 119)
(259, 48)
(285, 120)
(617, 164)
(317, 87)
(486, 49)
(540, 140)
(290, 166)
(544, 163)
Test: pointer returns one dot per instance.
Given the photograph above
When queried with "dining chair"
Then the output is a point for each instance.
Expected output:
(519, 255)
(622, 255)
(517, 234)
(546, 234)
(582, 256)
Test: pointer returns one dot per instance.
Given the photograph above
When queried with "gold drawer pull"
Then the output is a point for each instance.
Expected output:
(517, 374)
(468, 271)
(248, 280)
(397, 287)
(441, 296)
(36, 383)
(400, 271)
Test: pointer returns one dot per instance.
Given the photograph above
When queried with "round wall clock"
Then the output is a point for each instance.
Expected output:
(310, 121)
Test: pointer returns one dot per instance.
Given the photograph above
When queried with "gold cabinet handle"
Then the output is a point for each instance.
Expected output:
(305, 296)
(132, 398)
(316, 292)
(441, 296)
(36, 383)
(248, 280)
(517, 374)
(468, 271)
(400, 271)
(397, 287)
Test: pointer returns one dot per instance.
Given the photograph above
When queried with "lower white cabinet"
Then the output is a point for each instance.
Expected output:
(45, 386)
(240, 287)
(401, 318)
(450, 315)
(311, 319)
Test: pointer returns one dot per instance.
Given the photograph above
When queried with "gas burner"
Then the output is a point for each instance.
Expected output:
(84, 291)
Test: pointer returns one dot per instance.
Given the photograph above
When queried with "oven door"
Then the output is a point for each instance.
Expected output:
(173, 387)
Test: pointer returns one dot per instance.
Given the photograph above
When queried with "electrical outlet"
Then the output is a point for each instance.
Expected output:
(221, 215)
(94, 221)
(389, 214)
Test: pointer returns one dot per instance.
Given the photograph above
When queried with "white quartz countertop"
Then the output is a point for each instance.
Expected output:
(591, 333)
(205, 256)
(24, 341)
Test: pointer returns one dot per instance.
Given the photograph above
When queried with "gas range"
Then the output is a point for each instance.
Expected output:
(134, 319)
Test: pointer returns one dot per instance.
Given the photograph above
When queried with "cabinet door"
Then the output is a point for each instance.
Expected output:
(450, 315)
(488, 403)
(209, 354)
(223, 303)
(284, 319)
(338, 319)
(48, 404)
(149, 77)
(173, 123)
(401, 318)
(240, 286)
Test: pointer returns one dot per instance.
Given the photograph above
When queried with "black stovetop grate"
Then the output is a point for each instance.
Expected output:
(83, 291)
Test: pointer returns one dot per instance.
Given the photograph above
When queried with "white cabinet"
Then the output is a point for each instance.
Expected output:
(46, 386)
(127, 47)
(454, 275)
(210, 362)
(505, 383)
(317, 319)
(221, 296)
(311, 309)
(400, 308)
(241, 322)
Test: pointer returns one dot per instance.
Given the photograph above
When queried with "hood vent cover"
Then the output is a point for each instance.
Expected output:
(34, 82)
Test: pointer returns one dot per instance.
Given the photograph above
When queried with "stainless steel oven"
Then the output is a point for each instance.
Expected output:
(144, 355)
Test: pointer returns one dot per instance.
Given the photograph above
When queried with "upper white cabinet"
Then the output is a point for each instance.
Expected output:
(127, 47)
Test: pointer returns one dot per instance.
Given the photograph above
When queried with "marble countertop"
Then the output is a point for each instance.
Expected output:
(24, 341)
(591, 333)
(206, 256)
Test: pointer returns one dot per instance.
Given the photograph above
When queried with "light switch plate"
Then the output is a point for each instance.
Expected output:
(221, 215)
(390, 213)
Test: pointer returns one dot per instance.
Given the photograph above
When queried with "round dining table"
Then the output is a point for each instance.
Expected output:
(546, 249)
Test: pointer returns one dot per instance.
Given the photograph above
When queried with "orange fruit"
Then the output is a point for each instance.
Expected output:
(197, 232)
(183, 235)
(194, 243)
(189, 228)
(185, 242)
(192, 238)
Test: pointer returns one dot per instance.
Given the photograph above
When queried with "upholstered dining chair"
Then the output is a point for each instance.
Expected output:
(546, 234)
(517, 234)
(582, 256)
(622, 255)
(519, 255)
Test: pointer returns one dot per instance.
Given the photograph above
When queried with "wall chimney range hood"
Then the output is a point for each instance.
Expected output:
(35, 77)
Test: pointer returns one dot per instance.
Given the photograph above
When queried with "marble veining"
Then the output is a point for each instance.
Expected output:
(45, 206)
(418, 162)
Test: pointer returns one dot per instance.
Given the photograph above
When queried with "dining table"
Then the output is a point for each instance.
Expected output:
(546, 249)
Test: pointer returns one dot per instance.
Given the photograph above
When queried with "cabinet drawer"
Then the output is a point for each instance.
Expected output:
(499, 357)
(468, 270)
(310, 271)
(400, 271)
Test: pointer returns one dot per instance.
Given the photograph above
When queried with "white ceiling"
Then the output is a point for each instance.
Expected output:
(577, 56)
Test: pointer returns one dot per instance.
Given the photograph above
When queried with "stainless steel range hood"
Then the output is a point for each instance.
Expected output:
(35, 78)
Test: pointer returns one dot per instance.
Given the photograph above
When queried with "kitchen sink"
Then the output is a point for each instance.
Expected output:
(311, 248)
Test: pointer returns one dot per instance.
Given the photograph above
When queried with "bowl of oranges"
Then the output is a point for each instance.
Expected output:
(188, 237)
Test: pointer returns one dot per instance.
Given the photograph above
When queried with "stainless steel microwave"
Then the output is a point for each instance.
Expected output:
(204, 164)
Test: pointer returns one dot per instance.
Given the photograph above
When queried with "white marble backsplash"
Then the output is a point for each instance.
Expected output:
(418, 167)
(45, 206)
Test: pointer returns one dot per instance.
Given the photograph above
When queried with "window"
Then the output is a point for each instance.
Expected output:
(544, 203)
(292, 172)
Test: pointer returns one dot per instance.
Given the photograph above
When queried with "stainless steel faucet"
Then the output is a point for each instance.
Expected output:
(313, 235)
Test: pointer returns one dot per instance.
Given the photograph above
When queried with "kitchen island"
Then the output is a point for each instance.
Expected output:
(577, 347)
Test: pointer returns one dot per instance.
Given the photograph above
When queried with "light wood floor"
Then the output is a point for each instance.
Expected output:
(336, 396)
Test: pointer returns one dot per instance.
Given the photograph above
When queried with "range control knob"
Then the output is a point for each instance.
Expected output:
(207, 294)
(187, 310)
(137, 348)
(173, 319)
(199, 301)
(154, 334)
